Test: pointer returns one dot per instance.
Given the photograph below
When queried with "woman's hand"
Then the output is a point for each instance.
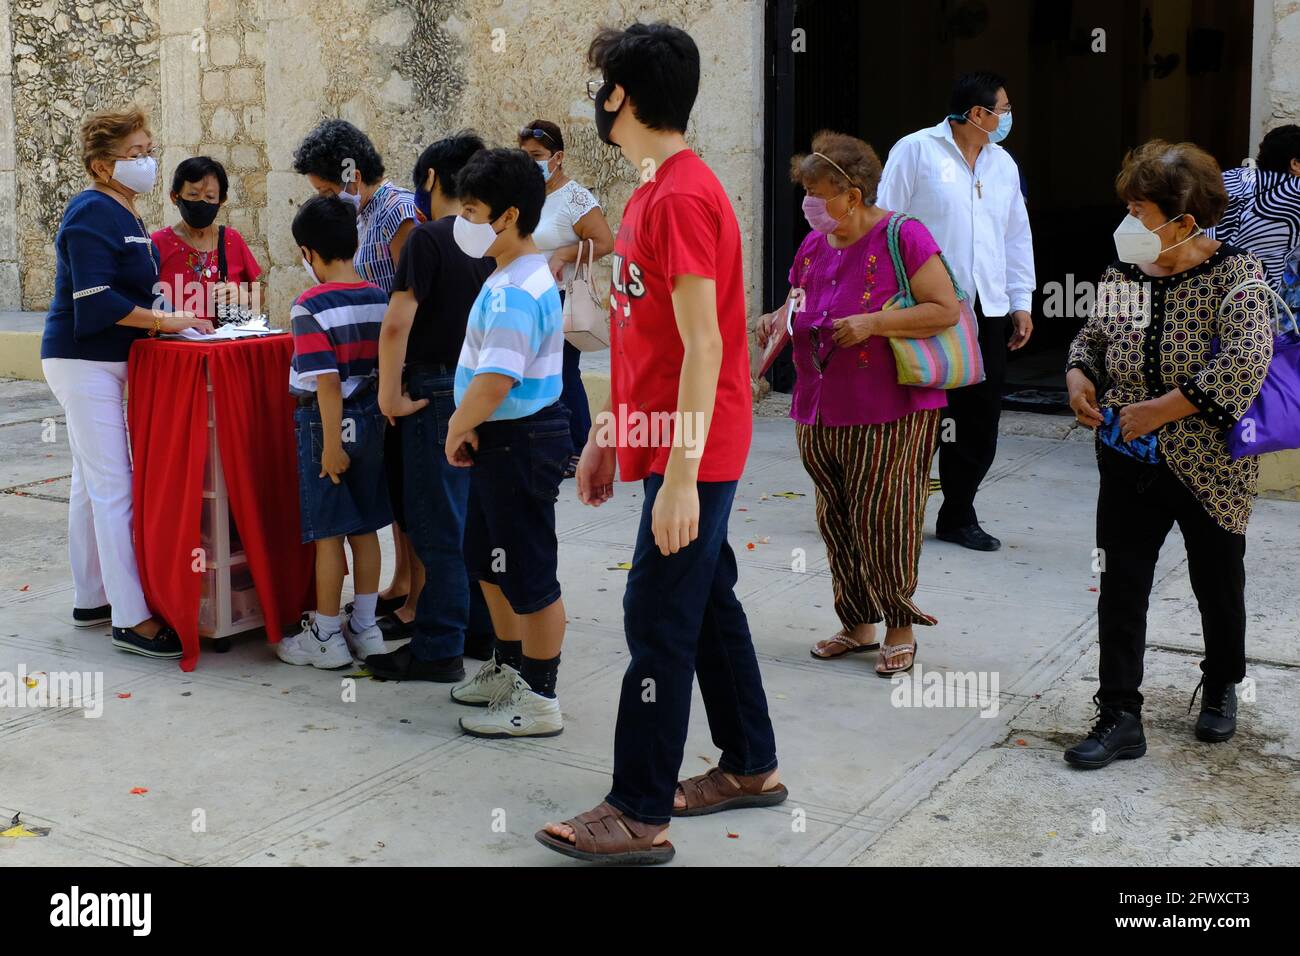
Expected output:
(557, 265)
(595, 473)
(854, 329)
(1083, 398)
(173, 322)
(1140, 418)
(764, 327)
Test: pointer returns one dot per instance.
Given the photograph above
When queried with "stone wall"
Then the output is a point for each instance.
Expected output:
(68, 58)
(244, 80)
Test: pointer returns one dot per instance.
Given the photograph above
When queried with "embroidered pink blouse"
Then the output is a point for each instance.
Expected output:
(857, 385)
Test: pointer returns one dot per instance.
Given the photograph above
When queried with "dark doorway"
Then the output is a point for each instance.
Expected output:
(1174, 69)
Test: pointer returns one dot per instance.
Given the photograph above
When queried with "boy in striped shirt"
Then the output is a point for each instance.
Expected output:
(341, 488)
(510, 426)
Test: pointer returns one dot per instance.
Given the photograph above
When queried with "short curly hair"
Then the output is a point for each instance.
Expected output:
(335, 148)
(858, 165)
(102, 133)
(1180, 178)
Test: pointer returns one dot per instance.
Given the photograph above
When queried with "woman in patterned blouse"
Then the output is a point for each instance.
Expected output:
(1171, 359)
(340, 160)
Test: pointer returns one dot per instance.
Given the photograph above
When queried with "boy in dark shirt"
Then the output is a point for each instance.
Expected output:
(424, 328)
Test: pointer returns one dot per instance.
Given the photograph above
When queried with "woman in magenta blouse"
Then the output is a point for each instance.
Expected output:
(865, 440)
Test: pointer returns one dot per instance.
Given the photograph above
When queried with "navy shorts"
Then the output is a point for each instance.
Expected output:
(358, 504)
(510, 525)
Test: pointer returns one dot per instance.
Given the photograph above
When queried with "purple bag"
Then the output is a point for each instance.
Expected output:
(1272, 423)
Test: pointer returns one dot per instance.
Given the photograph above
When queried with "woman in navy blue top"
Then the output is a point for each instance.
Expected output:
(106, 295)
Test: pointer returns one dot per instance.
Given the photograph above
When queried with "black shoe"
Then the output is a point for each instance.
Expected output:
(166, 646)
(1117, 735)
(1218, 720)
(394, 628)
(480, 646)
(401, 664)
(92, 616)
(972, 536)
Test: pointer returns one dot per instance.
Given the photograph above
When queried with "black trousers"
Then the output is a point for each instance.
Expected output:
(1136, 507)
(971, 421)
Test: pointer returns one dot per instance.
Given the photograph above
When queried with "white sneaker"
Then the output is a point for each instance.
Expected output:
(516, 711)
(365, 642)
(308, 647)
(479, 690)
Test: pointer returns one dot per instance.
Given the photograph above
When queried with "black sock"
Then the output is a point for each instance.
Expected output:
(510, 652)
(541, 675)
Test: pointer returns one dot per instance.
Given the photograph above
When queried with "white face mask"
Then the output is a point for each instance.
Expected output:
(545, 165)
(353, 198)
(474, 238)
(310, 271)
(1136, 244)
(137, 175)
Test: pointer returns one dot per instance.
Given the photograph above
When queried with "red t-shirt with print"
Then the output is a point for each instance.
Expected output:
(678, 223)
(187, 274)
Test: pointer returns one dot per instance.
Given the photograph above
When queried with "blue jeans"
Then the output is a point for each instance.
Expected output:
(358, 504)
(437, 494)
(684, 623)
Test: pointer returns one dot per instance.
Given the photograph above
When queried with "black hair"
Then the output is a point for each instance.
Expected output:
(501, 178)
(198, 168)
(657, 65)
(333, 149)
(327, 226)
(447, 157)
(550, 139)
(979, 88)
(1279, 146)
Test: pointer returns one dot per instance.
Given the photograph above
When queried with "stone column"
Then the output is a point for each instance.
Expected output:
(10, 287)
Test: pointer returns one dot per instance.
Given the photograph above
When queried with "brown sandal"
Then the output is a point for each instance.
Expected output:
(846, 646)
(714, 792)
(607, 835)
(887, 653)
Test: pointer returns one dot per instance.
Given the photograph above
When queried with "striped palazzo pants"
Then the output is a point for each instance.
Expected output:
(872, 484)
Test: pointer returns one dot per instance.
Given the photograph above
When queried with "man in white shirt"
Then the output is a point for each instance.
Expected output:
(966, 189)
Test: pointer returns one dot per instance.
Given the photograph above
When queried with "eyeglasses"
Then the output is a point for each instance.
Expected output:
(593, 88)
(527, 133)
(152, 153)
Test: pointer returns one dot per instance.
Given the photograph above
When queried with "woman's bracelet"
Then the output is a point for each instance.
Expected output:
(157, 326)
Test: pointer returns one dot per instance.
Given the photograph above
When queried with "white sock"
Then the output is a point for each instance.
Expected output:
(325, 626)
(363, 611)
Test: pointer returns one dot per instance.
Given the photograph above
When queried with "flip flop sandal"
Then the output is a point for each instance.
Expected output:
(607, 835)
(888, 651)
(840, 640)
(714, 792)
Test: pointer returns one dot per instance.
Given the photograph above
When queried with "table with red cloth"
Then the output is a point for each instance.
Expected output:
(167, 414)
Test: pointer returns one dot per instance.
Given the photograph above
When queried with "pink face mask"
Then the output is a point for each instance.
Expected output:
(814, 210)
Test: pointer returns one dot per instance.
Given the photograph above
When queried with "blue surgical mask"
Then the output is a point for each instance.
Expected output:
(545, 165)
(999, 132)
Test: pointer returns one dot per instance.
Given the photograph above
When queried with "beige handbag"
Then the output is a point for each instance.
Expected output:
(586, 310)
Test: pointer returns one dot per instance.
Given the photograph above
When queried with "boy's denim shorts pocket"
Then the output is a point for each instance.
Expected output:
(549, 450)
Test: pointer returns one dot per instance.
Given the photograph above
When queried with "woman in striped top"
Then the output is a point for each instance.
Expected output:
(1263, 214)
(340, 160)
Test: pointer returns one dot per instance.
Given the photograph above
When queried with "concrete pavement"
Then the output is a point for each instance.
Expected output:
(248, 761)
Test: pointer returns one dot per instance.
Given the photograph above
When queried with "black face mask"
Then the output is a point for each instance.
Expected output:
(197, 212)
(604, 118)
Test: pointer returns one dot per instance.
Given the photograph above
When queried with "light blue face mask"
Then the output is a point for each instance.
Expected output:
(545, 165)
(998, 133)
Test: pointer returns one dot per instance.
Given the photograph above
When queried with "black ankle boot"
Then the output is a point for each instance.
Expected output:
(1117, 735)
(1218, 720)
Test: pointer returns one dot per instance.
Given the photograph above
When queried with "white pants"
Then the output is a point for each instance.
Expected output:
(100, 543)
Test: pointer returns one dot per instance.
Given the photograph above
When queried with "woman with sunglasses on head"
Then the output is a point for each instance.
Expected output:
(571, 217)
(106, 297)
(205, 265)
(865, 440)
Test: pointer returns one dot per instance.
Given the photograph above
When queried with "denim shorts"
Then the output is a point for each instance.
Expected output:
(510, 526)
(358, 504)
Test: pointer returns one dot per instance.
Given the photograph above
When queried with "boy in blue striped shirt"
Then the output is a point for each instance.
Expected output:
(511, 428)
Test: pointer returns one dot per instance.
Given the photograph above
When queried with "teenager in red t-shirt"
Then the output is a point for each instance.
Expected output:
(679, 419)
(190, 270)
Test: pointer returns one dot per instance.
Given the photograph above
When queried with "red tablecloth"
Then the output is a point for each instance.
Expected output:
(167, 411)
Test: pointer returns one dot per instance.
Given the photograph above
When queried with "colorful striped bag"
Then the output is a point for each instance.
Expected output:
(950, 359)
